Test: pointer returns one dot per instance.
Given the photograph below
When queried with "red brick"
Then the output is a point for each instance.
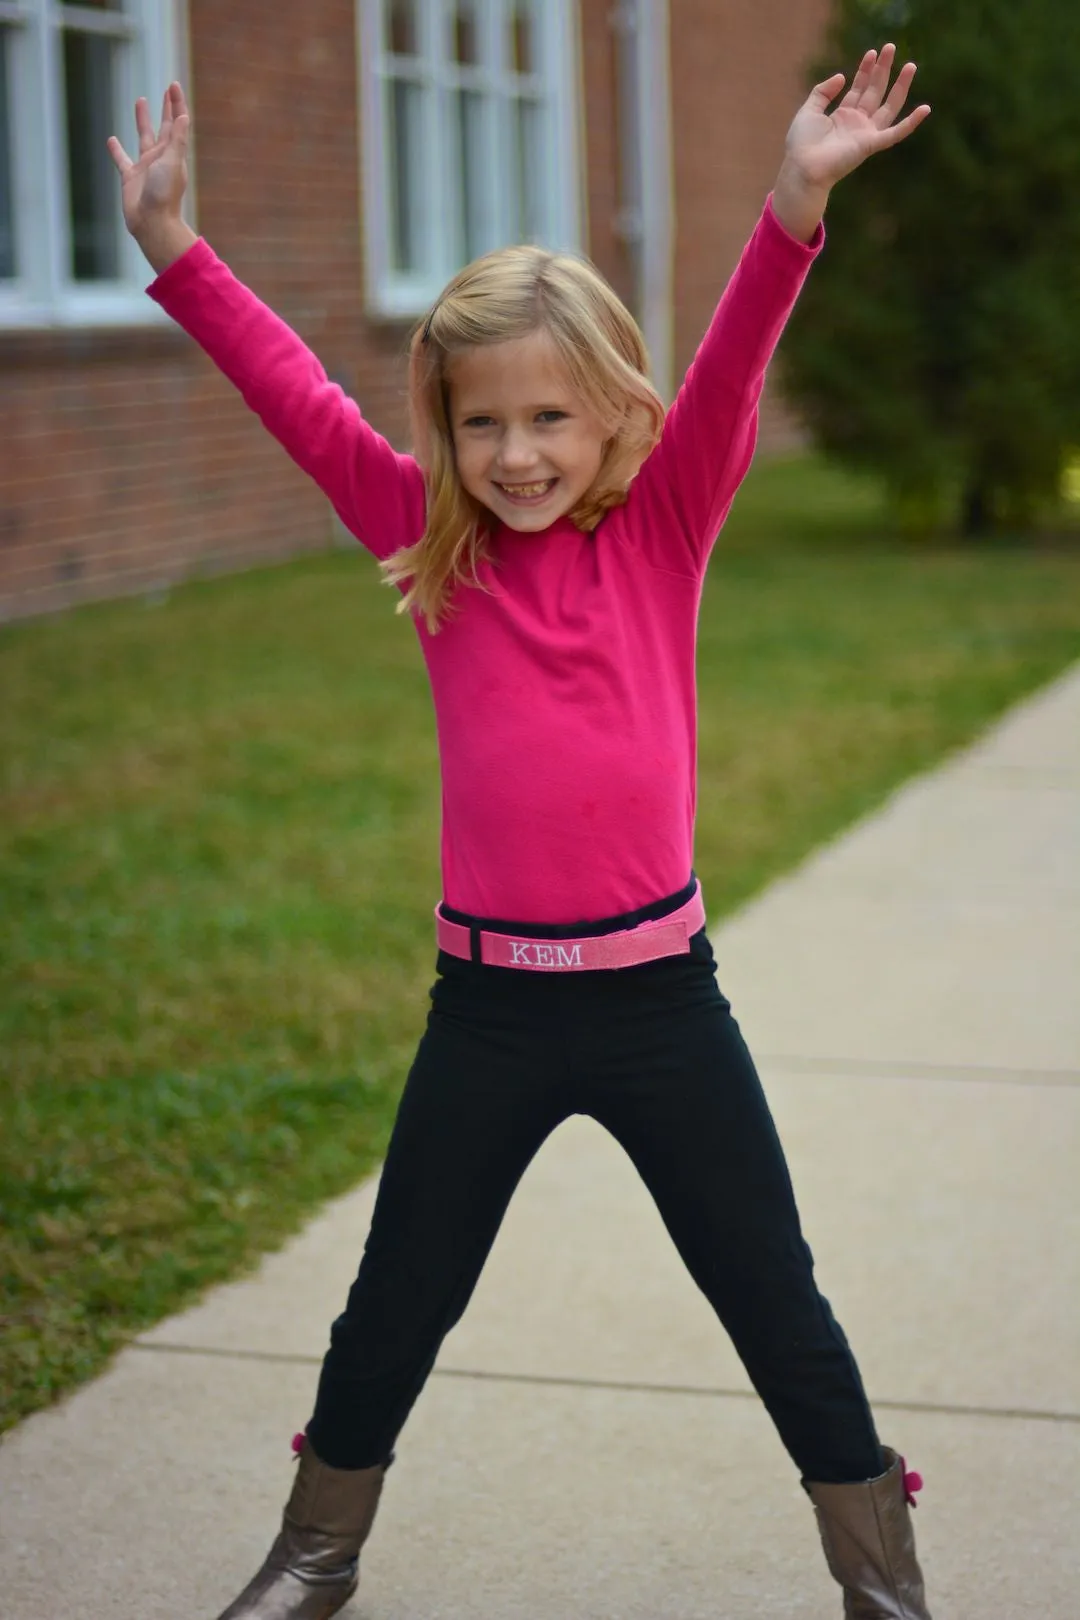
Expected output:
(127, 460)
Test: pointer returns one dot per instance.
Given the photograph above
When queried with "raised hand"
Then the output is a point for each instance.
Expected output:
(153, 186)
(824, 145)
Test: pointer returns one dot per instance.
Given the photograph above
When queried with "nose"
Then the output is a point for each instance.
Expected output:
(517, 453)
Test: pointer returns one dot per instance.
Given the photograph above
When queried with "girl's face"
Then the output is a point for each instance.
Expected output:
(527, 446)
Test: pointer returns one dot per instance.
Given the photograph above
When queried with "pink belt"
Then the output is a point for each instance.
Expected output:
(668, 936)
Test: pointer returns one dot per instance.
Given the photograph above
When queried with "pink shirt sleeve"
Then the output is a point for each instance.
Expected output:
(681, 496)
(377, 493)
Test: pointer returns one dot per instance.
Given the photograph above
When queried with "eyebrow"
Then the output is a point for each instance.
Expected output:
(490, 410)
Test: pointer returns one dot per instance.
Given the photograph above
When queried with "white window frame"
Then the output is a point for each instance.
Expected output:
(391, 293)
(44, 293)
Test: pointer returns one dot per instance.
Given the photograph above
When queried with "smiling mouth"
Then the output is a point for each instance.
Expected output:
(528, 492)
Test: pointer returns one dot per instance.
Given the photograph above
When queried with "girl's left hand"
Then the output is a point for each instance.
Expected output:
(822, 146)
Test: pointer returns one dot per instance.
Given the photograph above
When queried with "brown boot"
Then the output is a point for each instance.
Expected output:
(869, 1543)
(311, 1571)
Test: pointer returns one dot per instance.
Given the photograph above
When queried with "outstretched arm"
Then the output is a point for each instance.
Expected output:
(686, 487)
(378, 494)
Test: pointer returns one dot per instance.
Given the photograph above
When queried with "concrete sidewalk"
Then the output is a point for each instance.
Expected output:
(588, 1448)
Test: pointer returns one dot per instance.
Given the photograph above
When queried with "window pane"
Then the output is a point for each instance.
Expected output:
(522, 38)
(7, 210)
(466, 34)
(402, 31)
(474, 159)
(407, 147)
(531, 177)
(97, 5)
(88, 86)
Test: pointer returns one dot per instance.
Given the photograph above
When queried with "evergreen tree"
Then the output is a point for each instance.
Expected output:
(937, 342)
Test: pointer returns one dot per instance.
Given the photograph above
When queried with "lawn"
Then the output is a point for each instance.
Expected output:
(218, 858)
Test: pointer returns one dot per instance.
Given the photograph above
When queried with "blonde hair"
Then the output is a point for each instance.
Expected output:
(509, 294)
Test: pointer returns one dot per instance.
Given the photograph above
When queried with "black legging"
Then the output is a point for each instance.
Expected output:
(653, 1054)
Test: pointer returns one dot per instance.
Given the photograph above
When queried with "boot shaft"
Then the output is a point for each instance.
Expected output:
(311, 1571)
(869, 1544)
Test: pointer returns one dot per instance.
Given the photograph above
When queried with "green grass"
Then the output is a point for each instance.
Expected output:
(218, 858)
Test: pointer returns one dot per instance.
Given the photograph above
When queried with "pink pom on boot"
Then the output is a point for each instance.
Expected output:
(913, 1483)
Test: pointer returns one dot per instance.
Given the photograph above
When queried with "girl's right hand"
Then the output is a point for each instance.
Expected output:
(152, 188)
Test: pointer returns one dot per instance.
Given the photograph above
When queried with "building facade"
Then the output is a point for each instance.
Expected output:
(347, 156)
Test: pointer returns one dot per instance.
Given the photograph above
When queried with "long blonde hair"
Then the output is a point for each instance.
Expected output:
(509, 294)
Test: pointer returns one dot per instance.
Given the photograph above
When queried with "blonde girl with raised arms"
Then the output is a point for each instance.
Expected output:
(549, 538)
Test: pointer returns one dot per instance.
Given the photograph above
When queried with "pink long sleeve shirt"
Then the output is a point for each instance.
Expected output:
(564, 692)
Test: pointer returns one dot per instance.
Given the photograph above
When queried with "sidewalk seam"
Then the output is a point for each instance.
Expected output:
(900, 1069)
(616, 1385)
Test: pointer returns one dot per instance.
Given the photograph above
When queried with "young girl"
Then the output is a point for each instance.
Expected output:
(550, 540)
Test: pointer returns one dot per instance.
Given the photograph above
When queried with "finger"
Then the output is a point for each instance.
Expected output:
(825, 92)
(900, 132)
(861, 80)
(166, 115)
(144, 125)
(878, 80)
(890, 108)
(118, 155)
(179, 100)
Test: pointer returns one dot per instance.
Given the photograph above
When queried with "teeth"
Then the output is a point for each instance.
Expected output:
(526, 491)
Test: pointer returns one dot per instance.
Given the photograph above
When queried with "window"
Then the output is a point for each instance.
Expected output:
(470, 111)
(69, 76)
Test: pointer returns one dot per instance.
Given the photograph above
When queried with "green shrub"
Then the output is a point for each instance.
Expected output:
(938, 340)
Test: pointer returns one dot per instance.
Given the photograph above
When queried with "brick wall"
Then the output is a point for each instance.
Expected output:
(738, 74)
(128, 463)
(600, 139)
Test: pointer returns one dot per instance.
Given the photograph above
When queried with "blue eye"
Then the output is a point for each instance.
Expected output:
(552, 416)
(478, 421)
